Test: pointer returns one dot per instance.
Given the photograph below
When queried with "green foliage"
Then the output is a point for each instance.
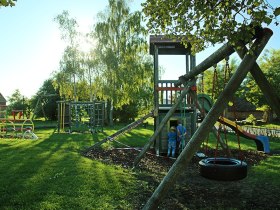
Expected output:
(18, 102)
(126, 74)
(68, 75)
(7, 3)
(116, 69)
(68, 27)
(205, 23)
(251, 119)
(127, 113)
(44, 102)
(270, 65)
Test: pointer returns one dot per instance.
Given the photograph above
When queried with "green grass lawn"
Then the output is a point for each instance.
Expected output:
(50, 173)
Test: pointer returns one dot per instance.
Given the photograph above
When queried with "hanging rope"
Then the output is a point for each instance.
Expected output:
(227, 72)
(215, 83)
(214, 94)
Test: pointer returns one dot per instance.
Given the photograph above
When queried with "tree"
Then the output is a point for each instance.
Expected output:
(69, 64)
(208, 22)
(67, 78)
(90, 68)
(7, 3)
(121, 48)
(270, 64)
(18, 102)
(44, 102)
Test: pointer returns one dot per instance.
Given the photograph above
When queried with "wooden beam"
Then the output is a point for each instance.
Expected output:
(120, 132)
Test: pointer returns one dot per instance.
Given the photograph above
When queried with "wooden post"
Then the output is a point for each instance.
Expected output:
(161, 125)
(210, 119)
(156, 94)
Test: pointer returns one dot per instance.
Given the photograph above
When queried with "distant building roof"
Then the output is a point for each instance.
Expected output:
(2, 100)
(242, 105)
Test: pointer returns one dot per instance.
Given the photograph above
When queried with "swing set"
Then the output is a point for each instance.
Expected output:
(221, 168)
(247, 64)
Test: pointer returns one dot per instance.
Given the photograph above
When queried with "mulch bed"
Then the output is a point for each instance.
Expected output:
(192, 191)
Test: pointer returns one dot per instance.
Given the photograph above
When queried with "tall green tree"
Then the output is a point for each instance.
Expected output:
(209, 22)
(90, 70)
(121, 48)
(270, 64)
(44, 102)
(69, 65)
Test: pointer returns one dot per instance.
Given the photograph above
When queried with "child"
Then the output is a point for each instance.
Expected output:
(181, 134)
(172, 141)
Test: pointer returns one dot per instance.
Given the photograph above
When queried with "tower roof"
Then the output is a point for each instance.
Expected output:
(168, 46)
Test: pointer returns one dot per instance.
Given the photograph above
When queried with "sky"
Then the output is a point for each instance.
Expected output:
(31, 45)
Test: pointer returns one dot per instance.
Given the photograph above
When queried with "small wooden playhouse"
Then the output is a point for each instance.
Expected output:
(166, 91)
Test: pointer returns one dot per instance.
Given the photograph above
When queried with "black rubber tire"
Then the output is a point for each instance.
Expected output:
(223, 169)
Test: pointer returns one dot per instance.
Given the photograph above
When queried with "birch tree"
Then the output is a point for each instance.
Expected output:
(121, 47)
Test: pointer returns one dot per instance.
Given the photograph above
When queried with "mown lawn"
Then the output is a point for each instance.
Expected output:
(50, 173)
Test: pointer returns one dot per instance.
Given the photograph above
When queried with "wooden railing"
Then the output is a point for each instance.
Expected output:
(168, 94)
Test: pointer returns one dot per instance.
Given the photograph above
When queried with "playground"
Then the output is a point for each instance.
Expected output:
(112, 127)
(79, 164)
(51, 173)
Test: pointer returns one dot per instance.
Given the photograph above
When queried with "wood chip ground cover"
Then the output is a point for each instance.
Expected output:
(192, 191)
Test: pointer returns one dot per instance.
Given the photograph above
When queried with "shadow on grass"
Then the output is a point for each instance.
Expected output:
(51, 174)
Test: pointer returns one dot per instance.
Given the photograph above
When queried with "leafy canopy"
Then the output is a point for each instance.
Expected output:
(208, 22)
(270, 64)
(7, 3)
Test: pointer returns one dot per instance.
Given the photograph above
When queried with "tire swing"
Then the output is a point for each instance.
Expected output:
(222, 168)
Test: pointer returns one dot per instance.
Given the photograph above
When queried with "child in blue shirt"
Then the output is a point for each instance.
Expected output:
(181, 134)
(172, 136)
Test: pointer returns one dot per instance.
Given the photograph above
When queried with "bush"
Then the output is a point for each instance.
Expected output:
(251, 119)
(126, 113)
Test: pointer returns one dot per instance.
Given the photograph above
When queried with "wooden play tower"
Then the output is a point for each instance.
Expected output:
(248, 64)
(166, 93)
